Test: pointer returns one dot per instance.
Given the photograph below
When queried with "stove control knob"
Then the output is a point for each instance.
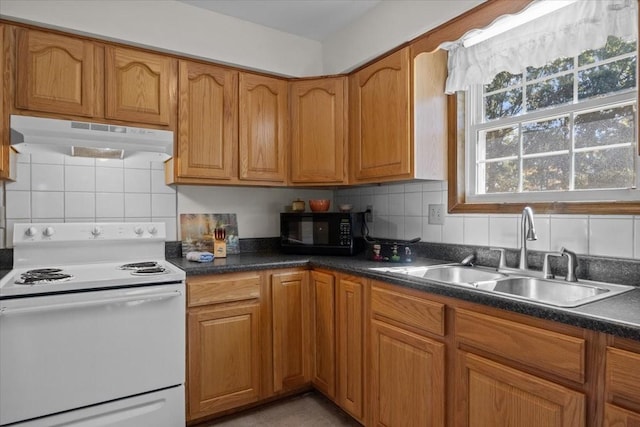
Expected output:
(138, 230)
(96, 231)
(48, 232)
(153, 230)
(31, 231)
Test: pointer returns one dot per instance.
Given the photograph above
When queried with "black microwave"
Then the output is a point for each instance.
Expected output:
(321, 233)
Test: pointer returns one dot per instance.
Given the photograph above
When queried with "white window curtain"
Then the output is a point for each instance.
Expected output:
(567, 32)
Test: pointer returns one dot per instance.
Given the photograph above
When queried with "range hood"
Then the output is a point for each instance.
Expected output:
(86, 139)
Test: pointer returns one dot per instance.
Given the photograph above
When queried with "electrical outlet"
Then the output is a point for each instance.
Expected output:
(369, 214)
(436, 214)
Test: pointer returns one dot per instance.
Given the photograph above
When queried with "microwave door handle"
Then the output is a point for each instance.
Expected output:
(5, 311)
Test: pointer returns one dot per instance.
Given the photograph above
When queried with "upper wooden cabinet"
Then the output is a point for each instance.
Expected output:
(263, 128)
(139, 86)
(397, 131)
(380, 119)
(207, 122)
(55, 73)
(318, 131)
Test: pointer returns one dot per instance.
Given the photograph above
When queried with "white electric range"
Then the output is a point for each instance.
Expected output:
(92, 328)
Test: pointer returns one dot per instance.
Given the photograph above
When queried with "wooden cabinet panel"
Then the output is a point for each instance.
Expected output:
(494, 395)
(318, 131)
(623, 376)
(139, 86)
(424, 315)
(223, 358)
(55, 73)
(207, 121)
(323, 332)
(618, 417)
(379, 119)
(549, 351)
(5, 106)
(204, 290)
(407, 375)
(290, 305)
(351, 327)
(263, 128)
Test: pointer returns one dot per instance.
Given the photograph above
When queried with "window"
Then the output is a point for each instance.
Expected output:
(545, 114)
(563, 131)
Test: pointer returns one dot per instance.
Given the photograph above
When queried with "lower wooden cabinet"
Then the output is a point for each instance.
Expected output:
(495, 395)
(224, 336)
(351, 343)
(290, 330)
(622, 387)
(323, 332)
(224, 362)
(407, 378)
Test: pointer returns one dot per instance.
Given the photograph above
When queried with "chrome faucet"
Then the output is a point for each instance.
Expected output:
(572, 264)
(527, 232)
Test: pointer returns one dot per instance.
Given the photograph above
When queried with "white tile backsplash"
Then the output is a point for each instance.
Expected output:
(611, 236)
(47, 177)
(137, 180)
(396, 204)
(476, 230)
(413, 204)
(109, 179)
(137, 205)
(615, 236)
(47, 204)
(18, 204)
(79, 178)
(51, 187)
(79, 205)
(109, 205)
(163, 205)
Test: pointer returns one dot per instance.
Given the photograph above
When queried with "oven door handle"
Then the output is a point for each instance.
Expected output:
(4, 311)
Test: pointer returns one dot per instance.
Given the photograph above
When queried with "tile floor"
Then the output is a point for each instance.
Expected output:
(308, 410)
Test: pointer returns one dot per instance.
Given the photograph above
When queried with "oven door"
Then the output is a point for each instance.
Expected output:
(68, 351)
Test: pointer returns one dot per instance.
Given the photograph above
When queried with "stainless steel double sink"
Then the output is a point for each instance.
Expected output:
(554, 292)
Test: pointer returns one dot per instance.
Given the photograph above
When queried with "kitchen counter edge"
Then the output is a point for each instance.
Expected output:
(618, 315)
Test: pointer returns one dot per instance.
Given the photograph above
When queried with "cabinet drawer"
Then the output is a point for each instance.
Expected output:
(412, 311)
(623, 375)
(205, 290)
(549, 351)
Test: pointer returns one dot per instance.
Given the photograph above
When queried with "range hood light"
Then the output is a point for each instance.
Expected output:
(97, 153)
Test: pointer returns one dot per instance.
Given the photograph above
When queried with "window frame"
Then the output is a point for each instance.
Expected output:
(457, 172)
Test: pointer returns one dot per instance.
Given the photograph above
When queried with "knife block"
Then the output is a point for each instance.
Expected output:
(220, 248)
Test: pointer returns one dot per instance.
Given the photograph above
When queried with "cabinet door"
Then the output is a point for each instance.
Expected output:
(4, 106)
(55, 73)
(139, 86)
(323, 332)
(290, 302)
(351, 366)
(494, 395)
(318, 131)
(618, 417)
(223, 358)
(380, 119)
(263, 128)
(407, 374)
(207, 121)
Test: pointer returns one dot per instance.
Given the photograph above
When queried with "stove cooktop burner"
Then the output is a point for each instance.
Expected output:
(140, 265)
(43, 276)
(145, 268)
(149, 271)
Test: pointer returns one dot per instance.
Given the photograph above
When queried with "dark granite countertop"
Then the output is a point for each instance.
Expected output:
(618, 315)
